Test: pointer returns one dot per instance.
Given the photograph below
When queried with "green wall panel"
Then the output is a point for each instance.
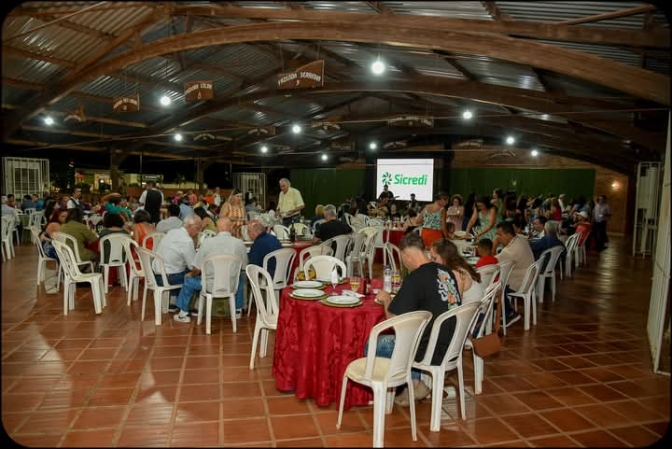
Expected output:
(325, 186)
(572, 182)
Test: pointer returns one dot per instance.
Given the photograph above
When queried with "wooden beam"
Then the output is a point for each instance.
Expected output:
(537, 30)
(466, 73)
(609, 15)
(493, 9)
(381, 8)
(11, 51)
(26, 10)
(540, 76)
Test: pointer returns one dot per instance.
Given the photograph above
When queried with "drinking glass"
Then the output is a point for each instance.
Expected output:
(355, 273)
(311, 273)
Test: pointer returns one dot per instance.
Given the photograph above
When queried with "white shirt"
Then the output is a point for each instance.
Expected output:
(289, 201)
(73, 203)
(473, 293)
(168, 224)
(217, 200)
(177, 250)
(520, 252)
(143, 197)
(8, 210)
(222, 243)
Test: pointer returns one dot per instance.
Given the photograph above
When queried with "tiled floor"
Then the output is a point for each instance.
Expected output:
(581, 377)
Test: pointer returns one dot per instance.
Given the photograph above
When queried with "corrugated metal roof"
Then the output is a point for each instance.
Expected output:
(244, 115)
(614, 53)
(339, 6)
(31, 70)
(114, 20)
(429, 65)
(577, 88)
(361, 56)
(243, 60)
(500, 73)
(457, 10)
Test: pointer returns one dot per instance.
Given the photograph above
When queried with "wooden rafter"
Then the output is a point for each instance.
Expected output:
(542, 80)
(609, 15)
(380, 8)
(493, 9)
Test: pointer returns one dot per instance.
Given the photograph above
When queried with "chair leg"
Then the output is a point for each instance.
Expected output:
(158, 307)
(144, 302)
(541, 284)
(502, 299)
(103, 299)
(379, 395)
(97, 293)
(208, 315)
(478, 374)
(129, 291)
(438, 377)
(40, 268)
(264, 343)
(255, 341)
(460, 392)
(344, 386)
(232, 309)
(106, 277)
(553, 287)
(526, 309)
(534, 306)
(411, 406)
(66, 297)
(389, 400)
(199, 319)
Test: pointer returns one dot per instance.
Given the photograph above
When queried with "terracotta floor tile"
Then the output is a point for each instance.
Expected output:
(451, 435)
(545, 380)
(597, 438)
(660, 404)
(577, 362)
(295, 426)
(567, 420)
(158, 378)
(397, 418)
(99, 418)
(550, 364)
(361, 439)
(16, 403)
(49, 421)
(287, 406)
(38, 440)
(89, 438)
(195, 434)
(244, 430)
(233, 390)
(574, 378)
(243, 408)
(530, 425)
(203, 392)
(571, 396)
(117, 380)
(202, 362)
(197, 411)
(150, 415)
(634, 411)
(602, 393)
(637, 436)
(352, 422)
(154, 436)
(601, 374)
(489, 430)
(166, 363)
(79, 368)
(304, 442)
(98, 354)
(513, 384)
(554, 441)
(503, 404)
(239, 374)
(538, 400)
(402, 438)
(631, 389)
(660, 428)
(12, 421)
(111, 396)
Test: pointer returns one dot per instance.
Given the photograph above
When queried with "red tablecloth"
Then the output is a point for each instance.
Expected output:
(298, 246)
(315, 343)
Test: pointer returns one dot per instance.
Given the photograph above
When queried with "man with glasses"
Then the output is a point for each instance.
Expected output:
(178, 250)
(290, 203)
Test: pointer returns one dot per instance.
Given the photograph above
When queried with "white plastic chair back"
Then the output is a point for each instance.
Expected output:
(267, 308)
(73, 275)
(116, 256)
(488, 274)
(42, 258)
(348, 218)
(490, 296)
(284, 261)
(7, 237)
(35, 233)
(375, 222)
(312, 251)
(205, 234)
(155, 237)
(357, 244)
(281, 232)
(146, 257)
(323, 266)
(244, 232)
(370, 248)
(36, 219)
(30, 211)
(417, 230)
(342, 242)
(224, 267)
(368, 230)
(301, 229)
(530, 278)
(570, 244)
(72, 243)
(505, 268)
(251, 216)
(136, 273)
(318, 223)
(527, 292)
(394, 256)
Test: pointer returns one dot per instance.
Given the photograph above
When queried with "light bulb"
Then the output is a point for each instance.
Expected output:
(467, 115)
(510, 140)
(544, 116)
(534, 153)
(325, 157)
(378, 67)
(178, 137)
(373, 145)
(165, 100)
(264, 149)
(296, 129)
(48, 121)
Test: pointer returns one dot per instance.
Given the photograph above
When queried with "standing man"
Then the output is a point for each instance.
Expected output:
(413, 204)
(178, 252)
(264, 243)
(74, 200)
(222, 243)
(218, 197)
(290, 203)
(151, 200)
(601, 213)
(386, 194)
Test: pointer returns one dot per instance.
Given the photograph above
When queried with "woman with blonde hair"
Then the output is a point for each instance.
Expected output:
(234, 209)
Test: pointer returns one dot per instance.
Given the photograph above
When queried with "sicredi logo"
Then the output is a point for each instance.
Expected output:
(400, 179)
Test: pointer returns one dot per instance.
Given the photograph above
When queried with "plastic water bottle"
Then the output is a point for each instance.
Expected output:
(387, 279)
(396, 281)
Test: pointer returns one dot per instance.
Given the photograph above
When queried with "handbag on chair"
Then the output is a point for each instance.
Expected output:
(488, 344)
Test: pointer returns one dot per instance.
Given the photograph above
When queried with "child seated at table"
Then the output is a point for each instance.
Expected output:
(484, 250)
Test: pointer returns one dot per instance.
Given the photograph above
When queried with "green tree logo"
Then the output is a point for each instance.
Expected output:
(387, 178)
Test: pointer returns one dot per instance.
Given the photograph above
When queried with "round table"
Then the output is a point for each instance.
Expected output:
(314, 344)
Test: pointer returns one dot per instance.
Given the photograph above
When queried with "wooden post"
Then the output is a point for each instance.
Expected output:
(114, 171)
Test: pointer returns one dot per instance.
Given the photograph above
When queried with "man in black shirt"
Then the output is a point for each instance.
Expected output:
(152, 199)
(386, 194)
(428, 286)
(332, 227)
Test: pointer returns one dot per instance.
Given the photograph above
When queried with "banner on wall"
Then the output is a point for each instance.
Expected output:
(198, 91)
(406, 176)
(309, 75)
(126, 104)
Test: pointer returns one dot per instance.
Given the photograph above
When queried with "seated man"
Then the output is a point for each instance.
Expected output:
(548, 241)
(222, 243)
(517, 249)
(538, 227)
(428, 286)
(178, 250)
(172, 222)
(582, 226)
(264, 243)
(331, 227)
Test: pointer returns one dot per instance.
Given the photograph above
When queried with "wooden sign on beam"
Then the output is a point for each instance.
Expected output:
(343, 146)
(126, 104)
(309, 75)
(411, 121)
(198, 91)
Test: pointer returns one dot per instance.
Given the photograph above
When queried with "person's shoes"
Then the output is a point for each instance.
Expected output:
(172, 308)
(239, 313)
(515, 316)
(193, 312)
(182, 318)
(420, 391)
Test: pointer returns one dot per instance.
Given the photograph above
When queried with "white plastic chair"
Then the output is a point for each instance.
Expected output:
(42, 259)
(323, 266)
(17, 221)
(284, 261)
(267, 309)
(381, 374)
(155, 237)
(488, 274)
(580, 257)
(72, 243)
(301, 229)
(36, 219)
(491, 295)
(30, 211)
(224, 267)
(342, 242)
(7, 239)
(348, 218)
(205, 234)
(72, 276)
(553, 255)
(135, 273)
(245, 234)
(369, 250)
(146, 259)
(373, 222)
(355, 249)
(570, 244)
(393, 256)
(317, 223)
(115, 259)
(92, 220)
(527, 293)
(312, 251)
(505, 268)
(465, 316)
(281, 232)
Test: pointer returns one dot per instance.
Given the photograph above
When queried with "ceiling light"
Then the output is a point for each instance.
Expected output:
(467, 115)
(534, 153)
(165, 100)
(373, 145)
(325, 157)
(178, 137)
(264, 149)
(544, 116)
(510, 140)
(296, 129)
(615, 185)
(378, 67)
(48, 121)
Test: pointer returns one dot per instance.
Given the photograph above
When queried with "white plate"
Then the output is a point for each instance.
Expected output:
(328, 281)
(308, 293)
(342, 300)
(459, 233)
(307, 284)
(472, 260)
